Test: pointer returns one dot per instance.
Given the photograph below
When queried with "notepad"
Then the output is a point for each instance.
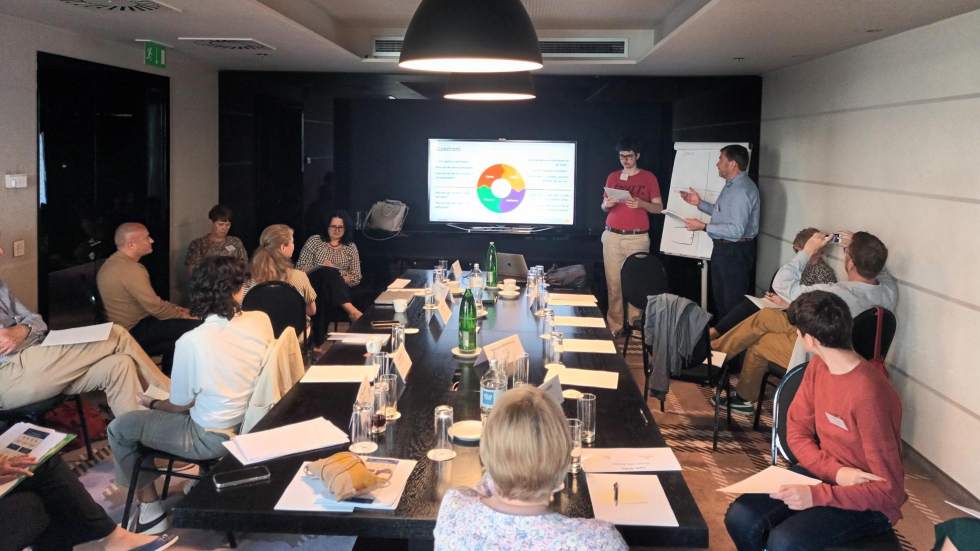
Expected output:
(768, 482)
(594, 346)
(584, 377)
(399, 283)
(78, 335)
(314, 434)
(573, 321)
(339, 373)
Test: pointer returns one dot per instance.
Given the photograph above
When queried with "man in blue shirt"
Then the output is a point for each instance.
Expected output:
(733, 227)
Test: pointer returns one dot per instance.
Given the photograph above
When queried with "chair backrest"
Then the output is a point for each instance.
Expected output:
(642, 275)
(95, 301)
(785, 393)
(281, 302)
(866, 328)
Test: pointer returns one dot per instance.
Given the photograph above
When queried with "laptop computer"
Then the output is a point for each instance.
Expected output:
(511, 265)
(389, 297)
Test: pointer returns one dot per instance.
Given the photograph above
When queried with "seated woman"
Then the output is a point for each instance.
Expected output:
(215, 367)
(525, 449)
(816, 271)
(51, 511)
(217, 242)
(272, 261)
(332, 262)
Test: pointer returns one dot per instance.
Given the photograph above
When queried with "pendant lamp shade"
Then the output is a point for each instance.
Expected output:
(471, 36)
(490, 86)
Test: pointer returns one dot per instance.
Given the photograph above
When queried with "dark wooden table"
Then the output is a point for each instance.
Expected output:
(437, 378)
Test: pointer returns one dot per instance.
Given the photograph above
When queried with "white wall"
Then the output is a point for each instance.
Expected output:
(885, 138)
(193, 140)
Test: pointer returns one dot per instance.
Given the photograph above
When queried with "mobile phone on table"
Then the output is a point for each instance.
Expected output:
(238, 477)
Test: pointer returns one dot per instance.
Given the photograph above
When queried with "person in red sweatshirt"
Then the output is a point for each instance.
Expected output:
(844, 427)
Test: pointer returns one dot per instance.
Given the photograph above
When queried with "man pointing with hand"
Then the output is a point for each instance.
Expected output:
(733, 228)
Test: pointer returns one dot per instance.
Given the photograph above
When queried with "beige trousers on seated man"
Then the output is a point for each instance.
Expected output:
(765, 336)
(616, 248)
(117, 366)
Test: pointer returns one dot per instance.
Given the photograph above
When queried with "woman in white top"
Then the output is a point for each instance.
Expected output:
(525, 448)
(215, 368)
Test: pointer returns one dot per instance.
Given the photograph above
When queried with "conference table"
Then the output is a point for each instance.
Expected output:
(438, 378)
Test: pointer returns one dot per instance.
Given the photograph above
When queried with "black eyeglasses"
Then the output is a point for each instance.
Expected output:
(628, 157)
(338, 228)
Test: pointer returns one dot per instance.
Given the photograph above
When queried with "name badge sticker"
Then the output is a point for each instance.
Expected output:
(230, 248)
(836, 421)
(623, 176)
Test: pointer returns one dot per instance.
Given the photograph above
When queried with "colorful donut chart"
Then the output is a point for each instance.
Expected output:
(490, 200)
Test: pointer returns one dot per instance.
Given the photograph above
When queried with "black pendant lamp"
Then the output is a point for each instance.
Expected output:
(471, 36)
(490, 86)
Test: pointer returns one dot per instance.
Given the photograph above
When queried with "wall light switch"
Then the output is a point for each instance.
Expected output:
(16, 180)
(18, 248)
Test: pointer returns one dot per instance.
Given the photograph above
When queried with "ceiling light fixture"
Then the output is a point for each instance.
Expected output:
(471, 36)
(490, 86)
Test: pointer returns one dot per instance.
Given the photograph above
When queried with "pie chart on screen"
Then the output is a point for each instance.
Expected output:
(501, 188)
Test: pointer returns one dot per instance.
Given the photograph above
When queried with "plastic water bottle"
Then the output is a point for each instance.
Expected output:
(467, 323)
(492, 386)
(492, 265)
(476, 284)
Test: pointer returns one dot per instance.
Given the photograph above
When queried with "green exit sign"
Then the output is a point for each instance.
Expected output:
(155, 55)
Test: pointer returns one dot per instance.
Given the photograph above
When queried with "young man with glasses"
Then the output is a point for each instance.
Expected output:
(627, 224)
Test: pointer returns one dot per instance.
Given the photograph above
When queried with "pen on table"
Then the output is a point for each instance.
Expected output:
(615, 494)
(644, 415)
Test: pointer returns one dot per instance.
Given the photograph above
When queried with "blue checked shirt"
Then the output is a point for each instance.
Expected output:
(735, 215)
(13, 312)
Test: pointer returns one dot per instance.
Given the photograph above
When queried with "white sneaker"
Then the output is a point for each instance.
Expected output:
(150, 520)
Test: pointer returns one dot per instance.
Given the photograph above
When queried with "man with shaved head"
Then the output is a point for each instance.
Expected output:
(130, 300)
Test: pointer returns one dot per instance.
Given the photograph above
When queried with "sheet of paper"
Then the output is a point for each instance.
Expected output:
(339, 373)
(557, 302)
(440, 290)
(78, 335)
(511, 346)
(403, 363)
(595, 346)
(359, 338)
(574, 321)
(620, 194)
(444, 312)
(32, 440)
(625, 460)
(457, 271)
(314, 434)
(307, 493)
(574, 297)
(156, 393)
(768, 482)
(763, 303)
(673, 214)
(584, 377)
(966, 510)
(552, 387)
(642, 501)
(399, 284)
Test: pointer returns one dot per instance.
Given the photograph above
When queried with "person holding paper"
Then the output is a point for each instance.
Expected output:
(525, 449)
(627, 223)
(214, 373)
(844, 427)
(733, 228)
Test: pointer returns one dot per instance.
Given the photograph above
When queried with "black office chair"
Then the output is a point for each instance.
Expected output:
(642, 275)
(863, 338)
(34, 413)
(785, 392)
(281, 302)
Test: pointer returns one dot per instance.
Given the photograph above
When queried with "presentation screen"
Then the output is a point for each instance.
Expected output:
(502, 182)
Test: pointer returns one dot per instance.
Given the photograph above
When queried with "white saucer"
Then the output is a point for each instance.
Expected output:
(441, 455)
(361, 448)
(571, 394)
(430, 307)
(459, 354)
(494, 288)
(509, 294)
(469, 431)
(458, 292)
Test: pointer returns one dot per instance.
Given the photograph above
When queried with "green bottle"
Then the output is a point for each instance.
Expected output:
(467, 323)
(492, 266)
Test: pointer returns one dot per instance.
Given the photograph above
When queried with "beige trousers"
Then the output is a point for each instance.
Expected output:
(765, 336)
(117, 366)
(616, 248)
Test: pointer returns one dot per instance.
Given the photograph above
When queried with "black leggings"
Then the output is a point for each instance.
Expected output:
(331, 292)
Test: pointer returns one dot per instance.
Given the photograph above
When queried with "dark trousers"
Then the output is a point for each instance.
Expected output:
(52, 511)
(742, 311)
(160, 336)
(756, 522)
(731, 274)
(331, 292)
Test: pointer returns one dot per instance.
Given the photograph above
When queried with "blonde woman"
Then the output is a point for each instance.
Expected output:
(525, 449)
(272, 261)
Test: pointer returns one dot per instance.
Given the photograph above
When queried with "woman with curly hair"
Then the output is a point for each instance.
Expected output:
(215, 368)
(272, 261)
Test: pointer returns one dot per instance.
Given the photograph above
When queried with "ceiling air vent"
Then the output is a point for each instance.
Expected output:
(120, 5)
(246, 44)
(582, 48)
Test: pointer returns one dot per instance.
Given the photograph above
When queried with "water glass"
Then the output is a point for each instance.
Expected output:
(586, 414)
(444, 266)
(430, 297)
(575, 430)
(503, 360)
(383, 361)
(437, 274)
(557, 345)
(360, 428)
(532, 282)
(397, 336)
(522, 369)
(391, 409)
(379, 418)
(443, 448)
(549, 318)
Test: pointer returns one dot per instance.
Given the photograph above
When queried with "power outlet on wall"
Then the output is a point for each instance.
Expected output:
(18, 248)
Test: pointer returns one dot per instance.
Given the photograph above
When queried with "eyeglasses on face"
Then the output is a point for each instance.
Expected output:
(338, 228)
(627, 157)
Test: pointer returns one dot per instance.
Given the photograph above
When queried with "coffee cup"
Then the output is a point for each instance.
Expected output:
(400, 305)
(510, 283)
(373, 345)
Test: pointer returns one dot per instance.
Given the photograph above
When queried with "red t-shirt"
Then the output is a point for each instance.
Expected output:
(642, 185)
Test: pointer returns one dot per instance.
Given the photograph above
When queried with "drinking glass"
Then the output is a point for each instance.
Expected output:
(360, 428)
(430, 297)
(549, 318)
(522, 369)
(503, 360)
(532, 282)
(557, 345)
(443, 449)
(391, 410)
(397, 336)
(575, 428)
(444, 266)
(379, 417)
(586, 414)
(383, 361)
(437, 274)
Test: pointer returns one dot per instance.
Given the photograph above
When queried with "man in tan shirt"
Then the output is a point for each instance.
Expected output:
(130, 301)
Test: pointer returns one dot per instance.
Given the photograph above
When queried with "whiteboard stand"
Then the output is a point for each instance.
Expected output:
(704, 284)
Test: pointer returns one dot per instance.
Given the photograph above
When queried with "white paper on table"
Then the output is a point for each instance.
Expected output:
(307, 493)
(359, 338)
(966, 510)
(768, 482)
(156, 393)
(552, 388)
(339, 373)
(399, 284)
(625, 460)
(50, 441)
(584, 377)
(574, 297)
(763, 303)
(78, 335)
(618, 194)
(444, 312)
(573, 321)
(402, 361)
(510, 345)
(314, 434)
(457, 271)
(642, 501)
(595, 346)
(558, 302)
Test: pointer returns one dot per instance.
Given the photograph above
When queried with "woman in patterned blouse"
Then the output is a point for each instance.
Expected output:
(333, 265)
(217, 242)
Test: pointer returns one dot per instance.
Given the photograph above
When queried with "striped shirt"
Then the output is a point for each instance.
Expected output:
(13, 312)
(345, 258)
